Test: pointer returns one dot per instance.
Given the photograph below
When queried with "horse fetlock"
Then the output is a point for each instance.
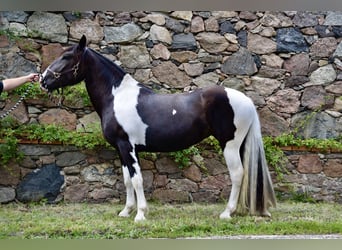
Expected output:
(126, 211)
(140, 216)
(225, 215)
(266, 213)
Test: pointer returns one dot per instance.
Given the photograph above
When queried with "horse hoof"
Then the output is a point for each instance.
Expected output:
(225, 216)
(124, 213)
(266, 214)
(139, 218)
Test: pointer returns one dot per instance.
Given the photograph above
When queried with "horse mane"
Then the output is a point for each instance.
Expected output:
(115, 73)
(112, 72)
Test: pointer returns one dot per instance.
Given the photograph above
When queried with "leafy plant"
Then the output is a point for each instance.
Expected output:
(275, 157)
(8, 149)
(183, 157)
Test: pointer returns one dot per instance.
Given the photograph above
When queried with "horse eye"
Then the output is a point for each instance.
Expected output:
(66, 57)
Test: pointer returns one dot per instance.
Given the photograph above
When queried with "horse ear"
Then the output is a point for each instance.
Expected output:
(83, 42)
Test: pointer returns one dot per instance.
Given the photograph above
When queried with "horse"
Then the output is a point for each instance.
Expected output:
(134, 119)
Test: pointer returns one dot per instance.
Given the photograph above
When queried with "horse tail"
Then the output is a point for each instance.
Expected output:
(256, 193)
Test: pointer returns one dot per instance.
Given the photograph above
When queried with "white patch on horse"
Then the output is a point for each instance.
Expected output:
(174, 112)
(125, 109)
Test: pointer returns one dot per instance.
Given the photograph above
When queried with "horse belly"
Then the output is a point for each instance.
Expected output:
(174, 138)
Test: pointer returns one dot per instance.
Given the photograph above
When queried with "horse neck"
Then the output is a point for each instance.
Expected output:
(101, 75)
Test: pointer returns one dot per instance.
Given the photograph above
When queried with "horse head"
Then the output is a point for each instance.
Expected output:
(66, 69)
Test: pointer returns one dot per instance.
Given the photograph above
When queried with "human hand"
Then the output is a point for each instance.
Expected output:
(33, 77)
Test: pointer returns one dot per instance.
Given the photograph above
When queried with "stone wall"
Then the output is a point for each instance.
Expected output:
(96, 176)
(288, 62)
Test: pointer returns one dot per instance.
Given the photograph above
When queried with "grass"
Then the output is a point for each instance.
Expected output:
(100, 221)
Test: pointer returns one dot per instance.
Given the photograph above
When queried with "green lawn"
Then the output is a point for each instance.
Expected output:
(100, 221)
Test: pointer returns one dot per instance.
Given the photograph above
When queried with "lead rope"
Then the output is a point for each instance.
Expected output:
(18, 102)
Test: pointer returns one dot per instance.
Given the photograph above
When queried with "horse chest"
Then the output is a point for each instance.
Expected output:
(126, 114)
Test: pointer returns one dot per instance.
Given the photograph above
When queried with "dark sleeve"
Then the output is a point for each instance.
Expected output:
(1, 87)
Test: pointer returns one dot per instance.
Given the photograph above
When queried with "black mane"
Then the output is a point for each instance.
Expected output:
(110, 69)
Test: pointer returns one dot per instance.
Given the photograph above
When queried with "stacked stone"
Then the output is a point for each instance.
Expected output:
(288, 62)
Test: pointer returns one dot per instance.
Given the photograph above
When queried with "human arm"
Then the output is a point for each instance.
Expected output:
(13, 83)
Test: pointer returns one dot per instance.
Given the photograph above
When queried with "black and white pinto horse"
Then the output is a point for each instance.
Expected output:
(135, 119)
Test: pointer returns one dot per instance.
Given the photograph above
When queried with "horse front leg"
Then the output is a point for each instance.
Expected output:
(137, 182)
(133, 181)
(130, 197)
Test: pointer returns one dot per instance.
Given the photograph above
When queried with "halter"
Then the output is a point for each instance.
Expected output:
(57, 75)
(75, 68)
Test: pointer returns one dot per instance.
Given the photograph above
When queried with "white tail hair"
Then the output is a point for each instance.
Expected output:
(256, 193)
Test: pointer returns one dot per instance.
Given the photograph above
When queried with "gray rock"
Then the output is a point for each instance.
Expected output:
(324, 31)
(197, 24)
(335, 88)
(182, 185)
(124, 34)
(272, 124)
(315, 97)
(161, 34)
(88, 122)
(45, 182)
(333, 18)
(169, 195)
(240, 63)
(168, 73)
(194, 69)
(134, 56)
(101, 194)
(227, 27)
(99, 173)
(260, 45)
(290, 40)
(174, 25)
(323, 75)
(18, 29)
(234, 83)
(91, 29)
(298, 64)
(206, 79)
(16, 16)
(167, 166)
(212, 42)
(264, 86)
(294, 81)
(317, 125)
(275, 19)
(284, 102)
(160, 51)
(158, 19)
(323, 47)
(76, 193)
(338, 51)
(35, 150)
(305, 19)
(48, 26)
(269, 72)
(242, 38)
(60, 117)
(184, 42)
(69, 158)
(184, 15)
(13, 65)
(7, 194)
(211, 24)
